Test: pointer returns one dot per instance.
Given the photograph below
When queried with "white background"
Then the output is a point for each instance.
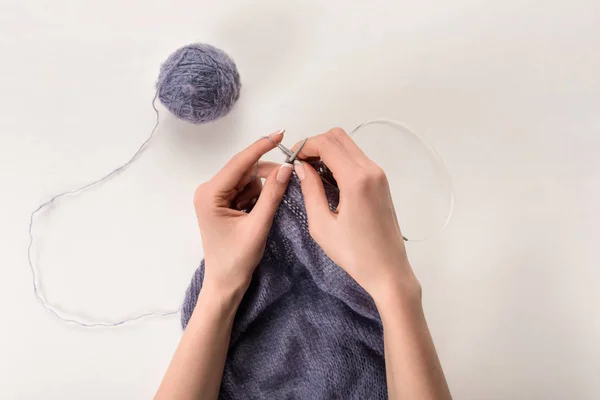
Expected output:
(508, 91)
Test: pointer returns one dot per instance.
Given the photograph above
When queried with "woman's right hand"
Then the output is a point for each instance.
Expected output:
(362, 235)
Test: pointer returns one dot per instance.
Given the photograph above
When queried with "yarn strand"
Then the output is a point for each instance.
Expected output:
(37, 291)
(435, 155)
(90, 323)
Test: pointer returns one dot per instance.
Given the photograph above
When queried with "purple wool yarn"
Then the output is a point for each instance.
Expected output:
(199, 83)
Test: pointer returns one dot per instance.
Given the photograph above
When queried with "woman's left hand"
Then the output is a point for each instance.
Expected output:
(234, 241)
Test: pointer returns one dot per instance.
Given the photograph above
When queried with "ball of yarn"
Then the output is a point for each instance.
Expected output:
(198, 83)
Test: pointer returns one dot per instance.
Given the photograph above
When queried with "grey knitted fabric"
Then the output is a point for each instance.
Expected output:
(305, 329)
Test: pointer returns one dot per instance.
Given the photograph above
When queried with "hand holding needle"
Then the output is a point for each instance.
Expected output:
(291, 156)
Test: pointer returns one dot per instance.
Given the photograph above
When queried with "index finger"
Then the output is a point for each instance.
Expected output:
(230, 175)
(336, 149)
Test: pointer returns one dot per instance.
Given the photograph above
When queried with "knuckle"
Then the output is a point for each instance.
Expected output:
(321, 139)
(368, 179)
(361, 180)
(338, 132)
(330, 137)
(378, 175)
(201, 194)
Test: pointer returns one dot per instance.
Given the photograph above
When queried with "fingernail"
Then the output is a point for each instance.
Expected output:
(275, 135)
(299, 168)
(284, 173)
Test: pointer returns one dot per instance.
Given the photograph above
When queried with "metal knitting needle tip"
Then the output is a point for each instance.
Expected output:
(285, 150)
(281, 147)
(292, 158)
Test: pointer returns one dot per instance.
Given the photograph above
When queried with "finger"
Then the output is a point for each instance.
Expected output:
(271, 195)
(315, 200)
(261, 169)
(253, 189)
(251, 192)
(350, 145)
(332, 149)
(225, 197)
(343, 139)
(233, 172)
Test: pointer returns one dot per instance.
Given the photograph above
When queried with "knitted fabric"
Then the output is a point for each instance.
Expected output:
(304, 329)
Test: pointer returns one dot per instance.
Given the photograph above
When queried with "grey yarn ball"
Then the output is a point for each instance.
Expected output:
(199, 83)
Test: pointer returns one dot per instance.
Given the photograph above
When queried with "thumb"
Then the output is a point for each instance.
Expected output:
(271, 194)
(317, 206)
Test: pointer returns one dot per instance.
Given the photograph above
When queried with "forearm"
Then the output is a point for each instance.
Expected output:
(413, 368)
(197, 366)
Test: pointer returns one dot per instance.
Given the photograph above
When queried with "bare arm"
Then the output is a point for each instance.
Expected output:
(197, 366)
(363, 237)
(413, 369)
(234, 243)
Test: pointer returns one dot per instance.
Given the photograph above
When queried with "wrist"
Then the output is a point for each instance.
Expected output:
(225, 281)
(224, 295)
(218, 301)
(399, 307)
(395, 293)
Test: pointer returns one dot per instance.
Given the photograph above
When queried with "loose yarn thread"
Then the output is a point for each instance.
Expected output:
(58, 314)
(435, 155)
(37, 292)
(197, 83)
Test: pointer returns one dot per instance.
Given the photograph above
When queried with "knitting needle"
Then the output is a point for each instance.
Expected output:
(285, 150)
(291, 158)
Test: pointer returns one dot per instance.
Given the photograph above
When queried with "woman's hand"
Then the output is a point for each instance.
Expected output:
(363, 235)
(234, 241)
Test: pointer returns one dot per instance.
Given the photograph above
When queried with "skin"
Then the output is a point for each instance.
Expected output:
(362, 236)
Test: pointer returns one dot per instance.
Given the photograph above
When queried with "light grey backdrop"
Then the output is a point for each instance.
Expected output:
(508, 91)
